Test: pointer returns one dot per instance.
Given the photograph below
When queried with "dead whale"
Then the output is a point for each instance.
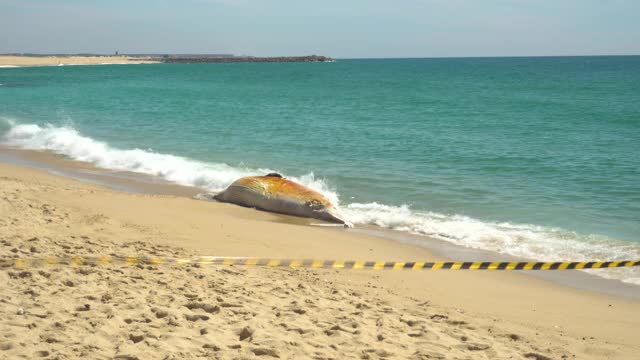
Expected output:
(275, 193)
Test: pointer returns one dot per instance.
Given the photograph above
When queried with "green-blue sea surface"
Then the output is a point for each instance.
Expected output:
(537, 157)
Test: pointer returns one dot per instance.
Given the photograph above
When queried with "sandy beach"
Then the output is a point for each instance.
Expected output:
(19, 61)
(198, 311)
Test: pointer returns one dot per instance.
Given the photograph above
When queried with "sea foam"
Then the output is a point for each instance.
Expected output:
(521, 240)
(66, 140)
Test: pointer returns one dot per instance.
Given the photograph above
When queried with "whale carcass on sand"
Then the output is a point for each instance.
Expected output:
(275, 193)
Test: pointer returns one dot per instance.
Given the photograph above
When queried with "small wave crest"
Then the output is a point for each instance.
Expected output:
(521, 240)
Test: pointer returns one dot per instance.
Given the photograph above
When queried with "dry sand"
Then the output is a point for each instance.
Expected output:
(187, 311)
(11, 60)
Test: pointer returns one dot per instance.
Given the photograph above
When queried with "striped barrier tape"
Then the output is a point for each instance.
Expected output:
(315, 264)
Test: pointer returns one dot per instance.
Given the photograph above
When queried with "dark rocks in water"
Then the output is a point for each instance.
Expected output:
(240, 59)
(273, 174)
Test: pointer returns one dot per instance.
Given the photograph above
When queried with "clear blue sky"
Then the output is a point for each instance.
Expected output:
(338, 28)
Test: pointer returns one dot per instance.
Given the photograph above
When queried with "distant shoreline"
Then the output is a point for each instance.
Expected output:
(16, 60)
(27, 59)
(21, 60)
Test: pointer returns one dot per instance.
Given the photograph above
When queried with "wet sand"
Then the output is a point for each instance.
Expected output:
(187, 311)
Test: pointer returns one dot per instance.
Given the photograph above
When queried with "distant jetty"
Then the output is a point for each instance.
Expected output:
(17, 60)
(239, 59)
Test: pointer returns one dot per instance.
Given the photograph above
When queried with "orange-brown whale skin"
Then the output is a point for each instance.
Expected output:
(277, 194)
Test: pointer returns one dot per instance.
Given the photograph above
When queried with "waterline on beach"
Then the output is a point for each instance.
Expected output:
(520, 240)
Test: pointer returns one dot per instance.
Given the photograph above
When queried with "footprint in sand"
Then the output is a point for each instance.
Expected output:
(196, 317)
(246, 333)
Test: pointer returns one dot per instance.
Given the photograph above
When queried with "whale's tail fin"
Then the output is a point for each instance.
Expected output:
(208, 196)
(334, 216)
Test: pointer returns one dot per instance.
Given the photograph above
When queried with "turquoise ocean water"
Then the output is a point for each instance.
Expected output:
(534, 157)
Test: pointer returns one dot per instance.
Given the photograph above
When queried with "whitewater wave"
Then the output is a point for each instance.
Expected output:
(521, 240)
(67, 141)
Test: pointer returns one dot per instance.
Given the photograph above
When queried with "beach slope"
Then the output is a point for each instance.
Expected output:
(191, 311)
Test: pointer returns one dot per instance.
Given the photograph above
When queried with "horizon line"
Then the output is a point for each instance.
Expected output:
(341, 58)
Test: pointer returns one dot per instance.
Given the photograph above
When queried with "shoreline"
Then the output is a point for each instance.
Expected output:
(136, 183)
(236, 311)
(13, 61)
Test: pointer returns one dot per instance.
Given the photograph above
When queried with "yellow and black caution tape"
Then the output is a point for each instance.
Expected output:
(314, 264)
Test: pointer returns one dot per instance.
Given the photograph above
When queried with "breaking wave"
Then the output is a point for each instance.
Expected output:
(67, 141)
